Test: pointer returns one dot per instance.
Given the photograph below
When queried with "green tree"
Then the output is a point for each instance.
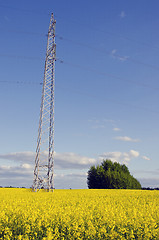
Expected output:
(111, 176)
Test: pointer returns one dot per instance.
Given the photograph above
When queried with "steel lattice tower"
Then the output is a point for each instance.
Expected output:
(44, 160)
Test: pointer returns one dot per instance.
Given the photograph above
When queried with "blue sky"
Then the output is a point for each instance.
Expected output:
(106, 93)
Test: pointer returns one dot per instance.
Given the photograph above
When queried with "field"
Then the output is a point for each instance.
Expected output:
(79, 214)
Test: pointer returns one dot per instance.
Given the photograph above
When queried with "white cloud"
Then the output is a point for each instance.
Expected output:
(72, 160)
(77, 175)
(134, 153)
(62, 160)
(71, 180)
(121, 157)
(22, 176)
(113, 52)
(28, 157)
(67, 160)
(97, 124)
(126, 139)
(103, 123)
(122, 14)
(114, 156)
(18, 176)
(109, 121)
(122, 58)
(116, 129)
(146, 158)
(16, 171)
(26, 166)
(117, 56)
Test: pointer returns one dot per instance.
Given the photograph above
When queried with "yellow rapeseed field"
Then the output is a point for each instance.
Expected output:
(79, 214)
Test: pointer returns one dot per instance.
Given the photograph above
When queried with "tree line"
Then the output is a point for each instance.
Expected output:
(111, 175)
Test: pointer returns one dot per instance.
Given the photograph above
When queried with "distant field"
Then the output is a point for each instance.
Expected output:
(79, 214)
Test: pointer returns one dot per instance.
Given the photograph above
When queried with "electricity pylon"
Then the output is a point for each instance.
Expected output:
(44, 160)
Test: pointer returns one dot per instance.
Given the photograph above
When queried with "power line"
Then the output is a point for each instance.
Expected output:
(17, 31)
(79, 66)
(108, 100)
(103, 51)
(124, 58)
(83, 67)
(86, 68)
(148, 45)
(84, 25)
(108, 75)
(88, 46)
(88, 94)
(19, 57)
(25, 10)
(21, 82)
